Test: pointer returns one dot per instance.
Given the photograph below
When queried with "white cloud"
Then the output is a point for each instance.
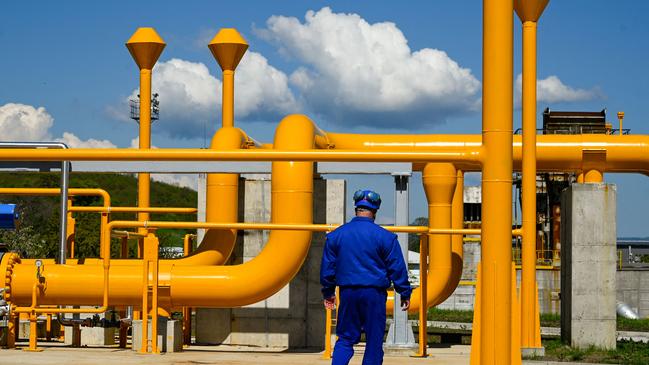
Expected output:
(190, 96)
(22, 122)
(553, 90)
(74, 142)
(367, 73)
(182, 180)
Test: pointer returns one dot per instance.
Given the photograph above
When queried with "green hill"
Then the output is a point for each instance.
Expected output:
(38, 233)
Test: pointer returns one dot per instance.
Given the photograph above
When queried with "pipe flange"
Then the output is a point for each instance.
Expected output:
(7, 262)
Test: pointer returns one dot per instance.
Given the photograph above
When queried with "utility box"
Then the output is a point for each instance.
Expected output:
(8, 216)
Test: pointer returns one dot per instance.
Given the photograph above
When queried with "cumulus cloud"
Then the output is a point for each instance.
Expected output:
(190, 96)
(553, 90)
(366, 73)
(21, 122)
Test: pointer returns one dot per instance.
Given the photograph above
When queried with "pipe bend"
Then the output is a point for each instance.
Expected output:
(440, 180)
(285, 251)
(222, 206)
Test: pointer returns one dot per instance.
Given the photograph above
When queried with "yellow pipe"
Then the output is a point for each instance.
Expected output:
(529, 12)
(125, 280)
(528, 274)
(497, 123)
(439, 181)
(145, 45)
(222, 204)
(435, 154)
(423, 296)
(144, 178)
(92, 209)
(457, 241)
(228, 99)
(555, 153)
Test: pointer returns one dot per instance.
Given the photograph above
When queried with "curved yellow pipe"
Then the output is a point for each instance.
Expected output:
(457, 241)
(222, 206)
(213, 286)
(439, 181)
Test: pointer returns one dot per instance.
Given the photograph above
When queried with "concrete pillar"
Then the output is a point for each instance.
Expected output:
(170, 335)
(400, 335)
(201, 202)
(92, 336)
(588, 271)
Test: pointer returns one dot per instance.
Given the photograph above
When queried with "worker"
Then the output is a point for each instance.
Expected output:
(362, 259)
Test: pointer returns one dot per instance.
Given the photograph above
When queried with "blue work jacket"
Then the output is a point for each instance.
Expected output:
(362, 253)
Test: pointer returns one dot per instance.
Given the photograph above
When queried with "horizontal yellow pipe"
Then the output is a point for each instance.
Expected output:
(628, 153)
(56, 191)
(132, 210)
(169, 154)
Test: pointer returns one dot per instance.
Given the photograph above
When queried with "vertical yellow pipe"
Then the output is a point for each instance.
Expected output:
(144, 346)
(528, 273)
(497, 105)
(145, 45)
(423, 302)
(144, 178)
(457, 240)
(529, 12)
(228, 98)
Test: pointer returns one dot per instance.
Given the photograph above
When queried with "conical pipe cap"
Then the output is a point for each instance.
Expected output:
(228, 47)
(145, 45)
(530, 10)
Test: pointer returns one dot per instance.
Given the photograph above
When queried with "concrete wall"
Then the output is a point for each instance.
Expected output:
(633, 289)
(294, 317)
(588, 271)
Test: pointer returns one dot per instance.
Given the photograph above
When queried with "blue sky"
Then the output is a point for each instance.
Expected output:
(70, 59)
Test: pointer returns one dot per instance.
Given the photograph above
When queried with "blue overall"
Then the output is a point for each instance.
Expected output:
(362, 258)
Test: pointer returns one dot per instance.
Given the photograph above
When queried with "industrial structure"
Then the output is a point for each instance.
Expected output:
(145, 288)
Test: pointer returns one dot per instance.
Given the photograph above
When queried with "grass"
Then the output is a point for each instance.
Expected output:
(626, 353)
(547, 319)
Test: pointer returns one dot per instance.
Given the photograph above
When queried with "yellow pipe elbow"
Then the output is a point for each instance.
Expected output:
(222, 206)
(205, 285)
(439, 180)
(457, 241)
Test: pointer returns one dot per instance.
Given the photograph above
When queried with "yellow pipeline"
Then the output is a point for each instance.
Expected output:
(145, 45)
(125, 291)
(222, 286)
(222, 205)
(497, 124)
(529, 12)
(439, 185)
(457, 241)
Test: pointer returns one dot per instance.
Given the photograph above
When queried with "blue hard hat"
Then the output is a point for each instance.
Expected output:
(367, 199)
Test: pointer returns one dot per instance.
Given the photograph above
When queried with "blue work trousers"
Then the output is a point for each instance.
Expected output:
(361, 309)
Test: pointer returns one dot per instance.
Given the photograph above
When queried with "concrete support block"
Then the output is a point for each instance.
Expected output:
(169, 337)
(92, 336)
(588, 266)
(24, 329)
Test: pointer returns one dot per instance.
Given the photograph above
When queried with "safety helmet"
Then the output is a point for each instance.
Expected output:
(367, 199)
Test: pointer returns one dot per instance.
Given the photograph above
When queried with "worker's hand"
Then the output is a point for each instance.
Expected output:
(405, 304)
(330, 303)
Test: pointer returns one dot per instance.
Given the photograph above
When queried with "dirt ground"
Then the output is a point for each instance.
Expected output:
(222, 355)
